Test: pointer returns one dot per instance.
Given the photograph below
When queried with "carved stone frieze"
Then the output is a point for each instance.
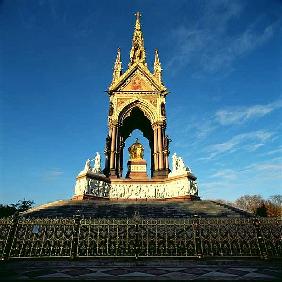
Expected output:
(181, 186)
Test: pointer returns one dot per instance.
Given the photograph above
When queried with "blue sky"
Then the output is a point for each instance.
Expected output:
(222, 65)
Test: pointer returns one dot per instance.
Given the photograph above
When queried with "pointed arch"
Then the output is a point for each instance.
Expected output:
(142, 105)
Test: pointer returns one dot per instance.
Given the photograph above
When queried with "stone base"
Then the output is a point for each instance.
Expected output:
(89, 197)
(173, 199)
(175, 188)
(112, 174)
(160, 174)
(137, 169)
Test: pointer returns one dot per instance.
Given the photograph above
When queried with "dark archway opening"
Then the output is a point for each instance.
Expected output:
(136, 133)
(137, 120)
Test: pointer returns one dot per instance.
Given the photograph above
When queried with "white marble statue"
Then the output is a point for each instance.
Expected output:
(87, 166)
(97, 163)
(174, 162)
(178, 166)
(181, 165)
(80, 187)
(193, 188)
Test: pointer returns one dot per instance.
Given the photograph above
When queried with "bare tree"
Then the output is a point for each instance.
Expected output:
(249, 203)
(276, 200)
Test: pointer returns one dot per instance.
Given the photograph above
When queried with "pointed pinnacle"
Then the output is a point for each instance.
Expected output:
(117, 67)
(157, 60)
(118, 56)
(137, 24)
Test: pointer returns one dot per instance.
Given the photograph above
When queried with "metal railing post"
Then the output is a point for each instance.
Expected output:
(11, 235)
(261, 245)
(198, 240)
(136, 219)
(74, 247)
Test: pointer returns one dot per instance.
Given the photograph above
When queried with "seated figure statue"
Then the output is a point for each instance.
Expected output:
(136, 151)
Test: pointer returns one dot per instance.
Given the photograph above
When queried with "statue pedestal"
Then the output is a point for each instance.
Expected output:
(137, 169)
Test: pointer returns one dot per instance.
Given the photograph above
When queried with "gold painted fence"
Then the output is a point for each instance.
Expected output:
(138, 237)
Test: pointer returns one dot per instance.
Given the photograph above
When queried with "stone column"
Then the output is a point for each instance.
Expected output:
(151, 144)
(166, 161)
(120, 153)
(107, 152)
(160, 147)
(166, 141)
(156, 161)
(113, 147)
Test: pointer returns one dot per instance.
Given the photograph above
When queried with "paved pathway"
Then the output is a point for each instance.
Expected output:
(108, 269)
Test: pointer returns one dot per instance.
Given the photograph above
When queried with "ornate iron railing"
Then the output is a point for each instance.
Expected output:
(138, 237)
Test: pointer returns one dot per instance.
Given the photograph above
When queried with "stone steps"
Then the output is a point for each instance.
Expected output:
(105, 209)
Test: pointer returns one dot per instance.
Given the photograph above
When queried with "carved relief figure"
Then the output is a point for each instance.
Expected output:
(163, 109)
(111, 109)
(166, 142)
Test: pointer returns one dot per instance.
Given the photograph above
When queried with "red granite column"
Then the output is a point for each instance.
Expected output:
(120, 156)
(156, 161)
(166, 150)
(160, 147)
(113, 147)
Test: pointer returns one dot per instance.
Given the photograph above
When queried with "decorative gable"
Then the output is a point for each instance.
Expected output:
(137, 78)
(137, 82)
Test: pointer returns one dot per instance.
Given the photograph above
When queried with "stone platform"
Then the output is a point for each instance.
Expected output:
(156, 209)
(91, 185)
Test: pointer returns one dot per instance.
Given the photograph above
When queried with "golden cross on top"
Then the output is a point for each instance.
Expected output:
(138, 15)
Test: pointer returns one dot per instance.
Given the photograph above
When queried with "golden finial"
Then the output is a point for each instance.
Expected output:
(138, 15)
(137, 24)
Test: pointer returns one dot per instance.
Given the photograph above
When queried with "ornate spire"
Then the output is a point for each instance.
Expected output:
(117, 67)
(157, 67)
(137, 52)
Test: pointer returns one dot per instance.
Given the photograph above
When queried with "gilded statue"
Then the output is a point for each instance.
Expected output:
(136, 151)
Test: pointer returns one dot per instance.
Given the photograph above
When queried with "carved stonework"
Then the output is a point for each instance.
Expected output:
(121, 101)
(91, 185)
(163, 112)
(111, 109)
(153, 102)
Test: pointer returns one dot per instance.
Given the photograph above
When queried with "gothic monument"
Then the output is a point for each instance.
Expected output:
(137, 101)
